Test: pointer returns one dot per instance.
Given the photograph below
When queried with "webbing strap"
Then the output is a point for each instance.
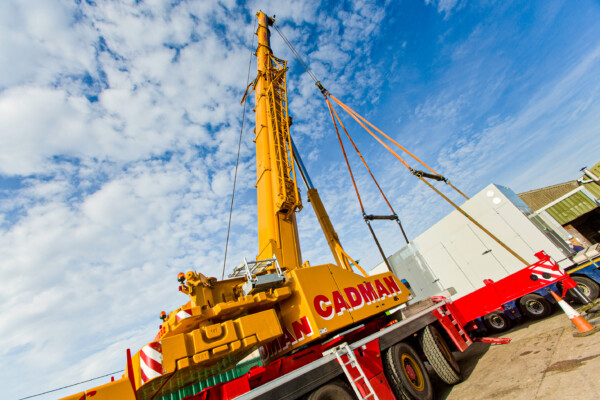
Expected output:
(359, 118)
(455, 188)
(344, 152)
(418, 174)
(363, 160)
(355, 115)
(332, 112)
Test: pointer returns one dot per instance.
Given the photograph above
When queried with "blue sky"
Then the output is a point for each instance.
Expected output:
(119, 124)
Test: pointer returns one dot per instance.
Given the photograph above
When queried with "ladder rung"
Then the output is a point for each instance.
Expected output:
(339, 352)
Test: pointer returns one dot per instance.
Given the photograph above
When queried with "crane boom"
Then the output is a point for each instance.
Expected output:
(277, 190)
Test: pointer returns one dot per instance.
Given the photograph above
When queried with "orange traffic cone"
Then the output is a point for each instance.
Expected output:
(584, 328)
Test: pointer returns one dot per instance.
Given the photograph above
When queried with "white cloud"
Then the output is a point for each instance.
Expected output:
(446, 6)
(40, 40)
(38, 123)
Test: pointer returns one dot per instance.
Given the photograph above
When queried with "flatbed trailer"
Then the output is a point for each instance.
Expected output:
(379, 359)
(524, 292)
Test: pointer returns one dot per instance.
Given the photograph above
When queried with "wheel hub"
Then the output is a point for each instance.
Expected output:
(411, 372)
(497, 322)
(535, 307)
(584, 289)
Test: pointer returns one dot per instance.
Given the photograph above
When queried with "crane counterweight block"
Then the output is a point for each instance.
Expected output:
(206, 351)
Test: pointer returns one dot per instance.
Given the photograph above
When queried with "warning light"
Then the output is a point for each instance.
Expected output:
(163, 315)
(181, 277)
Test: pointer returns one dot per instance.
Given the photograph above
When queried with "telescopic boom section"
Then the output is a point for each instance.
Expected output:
(277, 189)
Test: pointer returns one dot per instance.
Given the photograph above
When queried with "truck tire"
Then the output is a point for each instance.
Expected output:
(587, 286)
(535, 306)
(497, 322)
(334, 390)
(439, 355)
(406, 373)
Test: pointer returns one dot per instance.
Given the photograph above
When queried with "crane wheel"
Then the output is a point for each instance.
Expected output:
(439, 355)
(535, 306)
(586, 286)
(332, 390)
(406, 373)
(497, 322)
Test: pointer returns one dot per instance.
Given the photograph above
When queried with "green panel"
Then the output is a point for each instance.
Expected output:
(572, 207)
(593, 188)
(596, 169)
(227, 376)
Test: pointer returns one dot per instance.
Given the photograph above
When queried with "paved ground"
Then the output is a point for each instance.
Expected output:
(543, 361)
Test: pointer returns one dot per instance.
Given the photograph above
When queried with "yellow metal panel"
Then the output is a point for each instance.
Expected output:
(117, 390)
(135, 363)
(596, 169)
(367, 296)
(220, 339)
(191, 357)
(326, 299)
(78, 396)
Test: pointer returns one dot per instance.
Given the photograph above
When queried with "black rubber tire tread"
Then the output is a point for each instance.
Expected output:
(390, 371)
(399, 382)
(447, 369)
(547, 310)
(491, 328)
(333, 390)
(593, 287)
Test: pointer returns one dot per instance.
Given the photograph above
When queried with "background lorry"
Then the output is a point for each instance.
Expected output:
(455, 253)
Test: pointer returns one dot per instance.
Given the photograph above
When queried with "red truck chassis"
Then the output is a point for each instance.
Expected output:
(300, 373)
(360, 354)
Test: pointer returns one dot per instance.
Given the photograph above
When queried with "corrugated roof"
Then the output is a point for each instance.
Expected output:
(596, 169)
(593, 188)
(538, 198)
(572, 207)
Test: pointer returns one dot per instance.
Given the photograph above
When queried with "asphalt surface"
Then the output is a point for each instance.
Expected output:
(543, 361)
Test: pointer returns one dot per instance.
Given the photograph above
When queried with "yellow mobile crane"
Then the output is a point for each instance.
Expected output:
(276, 303)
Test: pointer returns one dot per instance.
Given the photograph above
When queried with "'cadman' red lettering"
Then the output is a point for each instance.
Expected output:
(356, 297)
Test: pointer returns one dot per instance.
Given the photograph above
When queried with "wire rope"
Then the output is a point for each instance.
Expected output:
(71, 385)
(237, 161)
(300, 59)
